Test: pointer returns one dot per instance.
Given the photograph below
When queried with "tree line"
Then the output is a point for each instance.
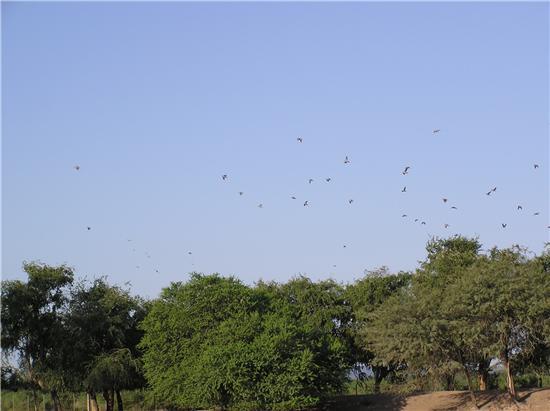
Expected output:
(213, 341)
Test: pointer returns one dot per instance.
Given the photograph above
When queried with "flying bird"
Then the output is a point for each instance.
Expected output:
(241, 193)
(404, 215)
(347, 161)
(294, 198)
(454, 208)
(224, 177)
(300, 140)
(423, 223)
(260, 205)
(345, 246)
(416, 220)
(491, 191)
(520, 207)
(328, 179)
(306, 203)
(406, 171)
(404, 189)
(436, 131)
(77, 167)
(89, 228)
(445, 200)
(189, 252)
(535, 166)
(537, 213)
(504, 225)
(350, 200)
(446, 225)
(310, 180)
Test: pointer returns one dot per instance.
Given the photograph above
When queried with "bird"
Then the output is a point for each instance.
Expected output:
(404, 215)
(241, 193)
(520, 207)
(334, 265)
(137, 266)
(294, 198)
(77, 167)
(345, 246)
(347, 161)
(423, 223)
(454, 208)
(328, 179)
(310, 180)
(404, 189)
(416, 220)
(504, 225)
(156, 271)
(260, 205)
(445, 200)
(89, 228)
(446, 225)
(224, 177)
(435, 131)
(306, 203)
(350, 200)
(537, 213)
(189, 252)
(300, 140)
(535, 166)
(406, 171)
(491, 191)
(494, 189)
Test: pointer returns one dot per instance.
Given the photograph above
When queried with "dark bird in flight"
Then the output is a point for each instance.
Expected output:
(300, 140)
(520, 207)
(77, 167)
(445, 200)
(310, 180)
(404, 189)
(137, 266)
(224, 177)
(504, 225)
(406, 171)
(156, 271)
(436, 131)
(535, 166)
(347, 161)
(423, 223)
(89, 228)
(328, 179)
(350, 200)
(306, 203)
(416, 220)
(241, 193)
(404, 215)
(491, 191)
(446, 225)
(294, 198)
(260, 205)
(537, 213)
(454, 208)
(189, 252)
(345, 246)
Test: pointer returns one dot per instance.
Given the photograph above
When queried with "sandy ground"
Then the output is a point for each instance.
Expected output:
(535, 400)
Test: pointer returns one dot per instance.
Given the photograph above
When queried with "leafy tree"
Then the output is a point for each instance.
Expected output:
(365, 296)
(32, 324)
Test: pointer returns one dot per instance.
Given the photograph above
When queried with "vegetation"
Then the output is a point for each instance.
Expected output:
(465, 319)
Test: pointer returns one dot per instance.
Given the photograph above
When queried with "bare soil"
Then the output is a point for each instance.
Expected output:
(533, 399)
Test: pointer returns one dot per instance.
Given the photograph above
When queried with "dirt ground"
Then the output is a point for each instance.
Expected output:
(535, 400)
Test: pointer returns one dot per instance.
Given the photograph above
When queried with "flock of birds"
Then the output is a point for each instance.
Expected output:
(347, 161)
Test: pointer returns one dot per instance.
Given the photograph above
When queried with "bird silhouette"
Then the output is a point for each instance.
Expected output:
(445, 200)
(404, 189)
(446, 225)
(328, 179)
(504, 225)
(537, 213)
(294, 198)
(350, 200)
(306, 203)
(454, 208)
(77, 167)
(224, 177)
(241, 193)
(404, 215)
(345, 246)
(310, 180)
(435, 131)
(300, 140)
(347, 161)
(535, 166)
(260, 205)
(406, 171)
(189, 252)
(416, 220)
(89, 228)
(423, 223)
(520, 207)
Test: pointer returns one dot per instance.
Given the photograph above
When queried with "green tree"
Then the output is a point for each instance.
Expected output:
(32, 324)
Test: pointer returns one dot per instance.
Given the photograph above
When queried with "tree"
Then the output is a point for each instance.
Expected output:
(32, 323)
(365, 296)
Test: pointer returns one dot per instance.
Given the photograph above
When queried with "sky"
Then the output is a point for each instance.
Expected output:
(155, 102)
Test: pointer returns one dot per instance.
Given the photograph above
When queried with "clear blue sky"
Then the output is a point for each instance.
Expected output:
(156, 101)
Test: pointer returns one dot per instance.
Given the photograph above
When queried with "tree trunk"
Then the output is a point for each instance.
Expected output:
(57, 406)
(470, 388)
(35, 399)
(449, 382)
(510, 379)
(483, 374)
(93, 401)
(379, 374)
(108, 400)
(119, 401)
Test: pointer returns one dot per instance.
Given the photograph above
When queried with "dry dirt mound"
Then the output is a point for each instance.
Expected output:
(535, 400)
